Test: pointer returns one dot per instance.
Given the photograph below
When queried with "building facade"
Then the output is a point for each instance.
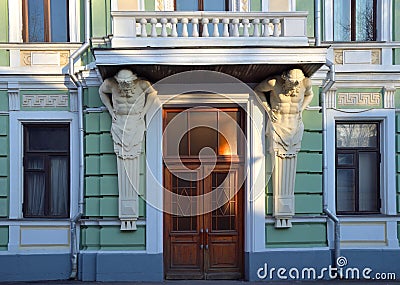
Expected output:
(62, 211)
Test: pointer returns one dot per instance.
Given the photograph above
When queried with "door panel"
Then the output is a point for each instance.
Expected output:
(182, 235)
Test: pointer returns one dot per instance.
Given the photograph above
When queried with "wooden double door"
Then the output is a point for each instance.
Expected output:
(203, 231)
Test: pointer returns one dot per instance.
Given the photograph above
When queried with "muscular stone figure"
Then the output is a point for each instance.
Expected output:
(289, 95)
(127, 105)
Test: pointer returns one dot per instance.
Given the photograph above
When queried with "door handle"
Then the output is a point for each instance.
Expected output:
(206, 238)
(201, 238)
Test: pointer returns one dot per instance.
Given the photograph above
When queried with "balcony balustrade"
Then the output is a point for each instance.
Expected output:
(162, 29)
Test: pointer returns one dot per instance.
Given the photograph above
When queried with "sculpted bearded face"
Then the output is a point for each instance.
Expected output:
(125, 79)
(292, 80)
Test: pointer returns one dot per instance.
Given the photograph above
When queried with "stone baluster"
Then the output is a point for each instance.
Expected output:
(265, 23)
(276, 23)
(215, 22)
(153, 22)
(235, 23)
(164, 22)
(174, 33)
(143, 32)
(195, 23)
(225, 33)
(256, 25)
(205, 22)
(185, 22)
(245, 23)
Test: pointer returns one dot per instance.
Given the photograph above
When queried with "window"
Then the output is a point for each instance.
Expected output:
(354, 20)
(46, 170)
(357, 167)
(45, 21)
(201, 5)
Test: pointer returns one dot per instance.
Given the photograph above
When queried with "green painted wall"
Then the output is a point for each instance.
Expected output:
(149, 5)
(3, 21)
(307, 5)
(299, 235)
(101, 178)
(398, 160)
(256, 5)
(101, 18)
(396, 20)
(308, 187)
(397, 98)
(3, 238)
(112, 238)
(4, 160)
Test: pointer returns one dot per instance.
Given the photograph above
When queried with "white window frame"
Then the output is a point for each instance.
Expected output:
(387, 148)
(17, 119)
(383, 20)
(15, 21)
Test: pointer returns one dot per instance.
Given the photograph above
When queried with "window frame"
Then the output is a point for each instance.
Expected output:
(47, 20)
(353, 22)
(355, 151)
(46, 155)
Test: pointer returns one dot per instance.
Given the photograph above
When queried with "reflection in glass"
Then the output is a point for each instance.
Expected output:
(36, 20)
(345, 190)
(365, 20)
(176, 133)
(345, 158)
(59, 21)
(368, 181)
(228, 133)
(48, 139)
(203, 131)
(357, 135)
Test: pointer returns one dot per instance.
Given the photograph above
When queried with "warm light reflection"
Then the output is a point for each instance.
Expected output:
(224, 147)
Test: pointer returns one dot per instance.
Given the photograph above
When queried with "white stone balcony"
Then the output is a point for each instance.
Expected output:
(214, 29)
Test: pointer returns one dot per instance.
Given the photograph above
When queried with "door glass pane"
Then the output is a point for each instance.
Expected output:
(59, 192)
(357, 135)
(35, 163)
(342, 18)
(228, 133)
(365, 25)
(368, 181)
(345, 190)
(183, 204)
(176, 133)
(214, 5)
(35, 191)
(223, 193)
(59, 21)
(186, 5)
(203, 132)
(36, 20)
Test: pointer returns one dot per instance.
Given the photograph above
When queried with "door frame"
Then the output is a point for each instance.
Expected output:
(253, 192)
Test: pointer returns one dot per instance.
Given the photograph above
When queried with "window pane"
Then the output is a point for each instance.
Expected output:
(59, 192)
(357, 135)
(228, 133)
(48, 139)
(365, 20)
(59, 21)
(36, 20)
(35, 163)
(342, 20)
(368, 181)
(174, 133)
(35, 191)
(203, 131)
(345, 190)
(345, 159)
(214, 5)
(187, 5)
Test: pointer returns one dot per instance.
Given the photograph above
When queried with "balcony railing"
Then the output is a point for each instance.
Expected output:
(212, 28)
